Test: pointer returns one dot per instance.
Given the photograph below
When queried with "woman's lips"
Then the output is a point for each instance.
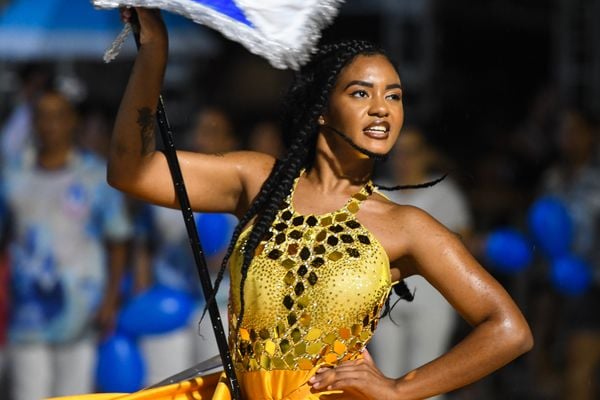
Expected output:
(377, 131)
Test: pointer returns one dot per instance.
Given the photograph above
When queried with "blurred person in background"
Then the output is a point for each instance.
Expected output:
(266, 137)
(419, 332)
(570, 325)
(212, 132)
(163, 256)
(67, 228)
(16, 136)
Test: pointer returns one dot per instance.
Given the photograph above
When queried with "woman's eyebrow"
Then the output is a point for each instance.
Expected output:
(393, 86)
(359, 83)
(370, 85)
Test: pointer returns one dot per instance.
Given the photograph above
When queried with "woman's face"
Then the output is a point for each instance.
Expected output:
(366, 103)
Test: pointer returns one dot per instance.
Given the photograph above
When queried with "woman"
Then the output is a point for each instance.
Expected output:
(308, 283)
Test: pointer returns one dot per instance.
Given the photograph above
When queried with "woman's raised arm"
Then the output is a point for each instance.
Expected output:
(218, 183)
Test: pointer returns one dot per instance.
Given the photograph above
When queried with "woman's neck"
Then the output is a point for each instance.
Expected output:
(340, 169)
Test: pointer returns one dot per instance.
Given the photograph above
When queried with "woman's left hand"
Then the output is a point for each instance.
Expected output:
(359, 378)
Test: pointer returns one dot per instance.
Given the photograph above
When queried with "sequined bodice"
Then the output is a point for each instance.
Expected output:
(313, 293)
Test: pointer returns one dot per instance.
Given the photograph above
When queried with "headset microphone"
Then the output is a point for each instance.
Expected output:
(383, 157)
(370, 154)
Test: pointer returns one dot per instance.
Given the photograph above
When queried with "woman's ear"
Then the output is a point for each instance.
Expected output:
(321, 120)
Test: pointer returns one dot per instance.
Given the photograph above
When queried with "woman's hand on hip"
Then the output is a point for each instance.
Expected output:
(359, 378)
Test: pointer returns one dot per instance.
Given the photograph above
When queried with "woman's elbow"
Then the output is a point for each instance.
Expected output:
(526, 341)
(520, 338)
(117, 179)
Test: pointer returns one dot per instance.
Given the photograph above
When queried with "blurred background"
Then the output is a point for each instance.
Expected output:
(502, 95)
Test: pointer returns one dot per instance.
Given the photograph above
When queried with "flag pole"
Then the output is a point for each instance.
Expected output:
(190, 224)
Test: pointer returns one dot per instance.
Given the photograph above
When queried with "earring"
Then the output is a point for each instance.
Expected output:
(321, 120)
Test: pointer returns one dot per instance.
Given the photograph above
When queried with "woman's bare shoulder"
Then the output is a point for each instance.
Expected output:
(401, 229)
(392, 224)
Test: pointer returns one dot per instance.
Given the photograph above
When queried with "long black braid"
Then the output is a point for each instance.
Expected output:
(305, 101)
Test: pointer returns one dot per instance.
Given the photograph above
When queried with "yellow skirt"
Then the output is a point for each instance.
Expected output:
(205, 387)
(263, 385)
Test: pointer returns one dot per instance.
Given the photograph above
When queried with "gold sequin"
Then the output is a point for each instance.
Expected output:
(345, 333)
(359, 196)
(339, 347)
(330, 338)
(300, 349)
(330, 358)
(265, 362)
(258, 348)
(293, 249)
(296, 335)
(303, 301)
(321, 235)
(314, 348)
(290, 360)
(270, 347)
(353, 207)
(311, 221)
(280, 329)
(326, 221)
(335, 255)
(305, 364)
(278, 363)
(289, 278)
(341, 217)
(305, 319)
(288, 302)
(313, 334)
(284, 345)
(264, 334)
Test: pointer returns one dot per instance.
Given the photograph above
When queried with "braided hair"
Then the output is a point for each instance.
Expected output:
(306, 100)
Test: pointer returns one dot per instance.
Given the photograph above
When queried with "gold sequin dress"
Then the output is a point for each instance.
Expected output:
(313, 295)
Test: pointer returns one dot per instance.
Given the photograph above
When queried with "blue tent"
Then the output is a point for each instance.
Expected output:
(74, 29)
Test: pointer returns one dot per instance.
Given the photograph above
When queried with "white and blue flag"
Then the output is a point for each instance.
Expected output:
(283, 31)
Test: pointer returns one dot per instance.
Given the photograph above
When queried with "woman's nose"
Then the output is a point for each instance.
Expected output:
(378, 108)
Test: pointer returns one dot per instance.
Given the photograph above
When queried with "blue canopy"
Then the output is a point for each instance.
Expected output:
(67, 29)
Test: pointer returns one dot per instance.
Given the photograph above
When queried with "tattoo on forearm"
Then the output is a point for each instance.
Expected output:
(145, 121)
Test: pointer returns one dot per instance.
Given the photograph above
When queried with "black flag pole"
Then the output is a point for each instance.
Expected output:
(190, 225)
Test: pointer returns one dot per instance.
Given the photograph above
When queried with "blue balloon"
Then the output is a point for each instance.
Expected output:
(551, 226)
(157, 310)
(508, 251)
(120, 367)
(215, 232)
(571, 276)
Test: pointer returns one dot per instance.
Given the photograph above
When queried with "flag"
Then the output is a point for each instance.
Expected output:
(284, 32)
